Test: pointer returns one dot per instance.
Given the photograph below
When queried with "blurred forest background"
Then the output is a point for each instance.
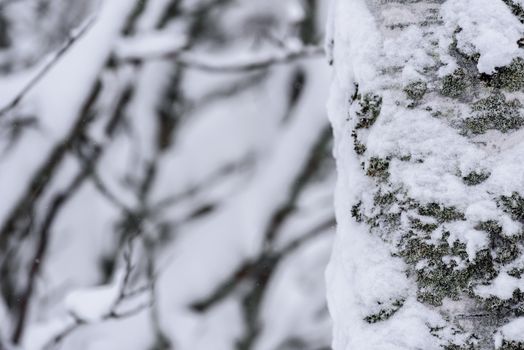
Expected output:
(166, 179)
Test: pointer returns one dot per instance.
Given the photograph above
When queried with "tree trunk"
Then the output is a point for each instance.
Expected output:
(427, 110)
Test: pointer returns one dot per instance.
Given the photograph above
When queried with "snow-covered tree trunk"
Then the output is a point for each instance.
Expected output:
(427, 107)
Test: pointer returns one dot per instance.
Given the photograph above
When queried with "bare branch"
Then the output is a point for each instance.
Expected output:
(104, 190)
(315, 231)
(52, 61)
(212, 65)
(212, 180)
(264, 264)
(44, 235)
(131, 312)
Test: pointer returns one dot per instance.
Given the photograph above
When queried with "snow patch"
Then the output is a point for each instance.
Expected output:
(512, 331)
(488, 28)
(93, 304)
(502, 287)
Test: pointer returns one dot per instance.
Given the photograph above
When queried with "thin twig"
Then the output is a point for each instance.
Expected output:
(103, 189)
(53, 60)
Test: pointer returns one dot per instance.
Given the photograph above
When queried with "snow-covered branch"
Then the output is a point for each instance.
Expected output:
(51, 61)
(101, 304)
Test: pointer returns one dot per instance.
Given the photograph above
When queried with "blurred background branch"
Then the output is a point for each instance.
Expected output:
(124, 133)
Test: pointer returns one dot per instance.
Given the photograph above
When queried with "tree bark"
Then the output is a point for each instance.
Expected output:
(427, 110)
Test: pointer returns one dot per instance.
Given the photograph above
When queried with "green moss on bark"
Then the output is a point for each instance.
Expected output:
(475, 178)
(468, 346)
(416, 90)
(438, 273)
(378, 168)
(504, 249)
(441, 212)
(494, 113)
(385, 312)
(510, 77)
(370, 107)
(506, 308)
(513, 205)
(356, 212)
(419, 225)
(516, 272)
(359, 147)
(456, 85)
(511, 345)
(516, 9)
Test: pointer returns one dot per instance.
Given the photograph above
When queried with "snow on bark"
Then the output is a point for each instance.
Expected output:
(426, 104)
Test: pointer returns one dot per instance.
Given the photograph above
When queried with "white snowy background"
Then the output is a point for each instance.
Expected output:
(156, 191)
